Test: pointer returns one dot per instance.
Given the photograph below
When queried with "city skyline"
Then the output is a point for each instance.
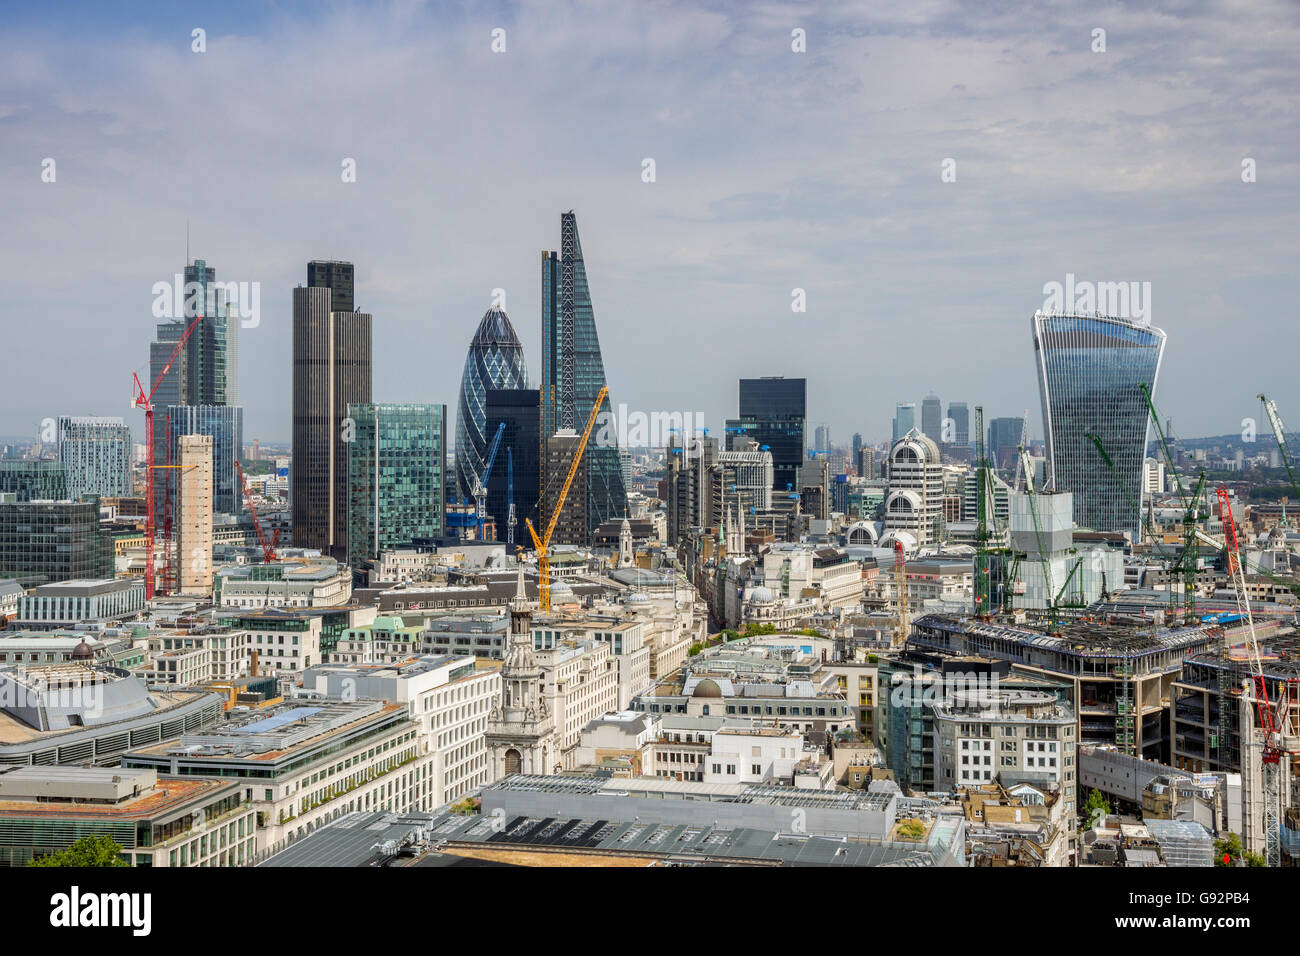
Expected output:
(696, 268)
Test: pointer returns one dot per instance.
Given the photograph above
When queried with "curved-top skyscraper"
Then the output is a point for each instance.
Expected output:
(495, 360)
(1090, 369)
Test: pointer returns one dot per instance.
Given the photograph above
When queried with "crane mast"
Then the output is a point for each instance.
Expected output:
(1271, 718)
(543, 544)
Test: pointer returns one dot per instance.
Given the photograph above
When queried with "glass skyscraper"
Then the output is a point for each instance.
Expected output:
(495, 361)
(521, 446)
(397, 462)
(773, 412)
(932, 418)
(204, 375)
(960, 415)
(573, 371)
(224, 424)
(42, 480)
(1090, 369)
(46, 541)
(904, 419)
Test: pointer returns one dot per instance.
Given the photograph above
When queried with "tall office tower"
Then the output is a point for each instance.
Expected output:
(331, 370)
(335, 276)
(914, 491)
(960, 415)
(740, 483)
(573, 371)
(224, 424)
(43, 480)
(96, 456)
(1004, 441)
(520, 453)
(495, 360)
(572, 527)
(212, 349)
(932, 417)
(194, 514)
(815, 488)
(42, 542)
(689, 503)
(865, 462)
(397, 467)
(773, 412)
(904, 419)
(857, 444)
(822, 438)
(1090, 369)
(204, 373)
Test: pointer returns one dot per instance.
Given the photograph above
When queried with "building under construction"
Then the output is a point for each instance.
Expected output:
(1121, 672)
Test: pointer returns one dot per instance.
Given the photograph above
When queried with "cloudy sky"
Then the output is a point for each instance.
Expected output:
(775, 170)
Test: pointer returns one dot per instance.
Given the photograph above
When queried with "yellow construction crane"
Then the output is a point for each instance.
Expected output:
(543, 544)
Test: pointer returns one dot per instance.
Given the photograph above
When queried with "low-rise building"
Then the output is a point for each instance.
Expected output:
(157, 820)
(304, 764)
(450, 698)
(67, 603)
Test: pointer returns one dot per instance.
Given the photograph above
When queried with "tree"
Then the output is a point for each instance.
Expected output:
(1096, 807)
(88, 851)
(1229, 850)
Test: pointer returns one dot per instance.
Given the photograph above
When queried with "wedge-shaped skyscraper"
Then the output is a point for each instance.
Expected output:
(1090, 372)
(573, 373)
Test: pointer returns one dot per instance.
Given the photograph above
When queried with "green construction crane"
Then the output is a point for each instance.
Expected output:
(1174, 565)
(1280, 433)
(982, 582)
(1193, 517)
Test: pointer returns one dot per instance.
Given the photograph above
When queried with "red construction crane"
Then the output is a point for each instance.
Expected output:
(268, 550)
(145, 400)
(1271, 720)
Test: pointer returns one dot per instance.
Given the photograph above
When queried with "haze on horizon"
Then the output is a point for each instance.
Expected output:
(774, 170)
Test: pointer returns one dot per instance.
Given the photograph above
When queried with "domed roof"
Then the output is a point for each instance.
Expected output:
(762, 594)
(495, 329)
(83, 652)
(707, 688)
(638, 597)
(915, 446)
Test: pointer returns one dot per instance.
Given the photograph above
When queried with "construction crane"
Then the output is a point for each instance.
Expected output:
(1192, 517)
(1280, 433)
(480, 484)
(900, 585)
(983, 581)
(510, 499)
(543, 544)
(1271, 718)
(1184, 564)
(144, 400)
(268, 549)
(1022, 462)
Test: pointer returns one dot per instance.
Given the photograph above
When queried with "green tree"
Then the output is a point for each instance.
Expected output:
(88, 851)
(1231, 847)
(1096, 806)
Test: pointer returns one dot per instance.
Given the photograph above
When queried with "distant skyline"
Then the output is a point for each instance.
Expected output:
(774, 171)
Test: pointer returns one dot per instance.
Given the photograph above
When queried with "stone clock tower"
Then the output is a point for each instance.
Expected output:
(521, 730)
